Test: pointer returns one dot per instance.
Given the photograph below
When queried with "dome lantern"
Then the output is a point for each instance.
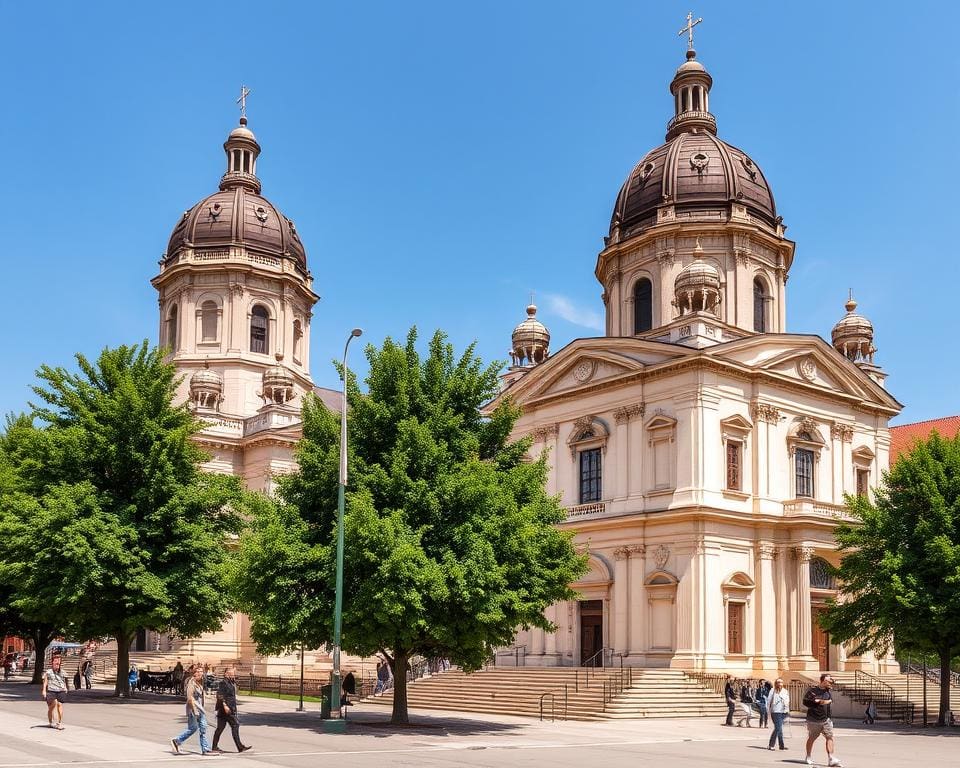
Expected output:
(242, 152)
(531, 341)
(853, 335)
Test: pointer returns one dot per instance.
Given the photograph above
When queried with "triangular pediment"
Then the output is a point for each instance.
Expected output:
(805, 360)
(586, 363)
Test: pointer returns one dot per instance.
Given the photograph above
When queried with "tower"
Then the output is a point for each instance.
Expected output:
(235, 298)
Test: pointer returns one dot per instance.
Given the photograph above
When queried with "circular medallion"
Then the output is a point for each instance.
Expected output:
(583, 371)
(807, 368)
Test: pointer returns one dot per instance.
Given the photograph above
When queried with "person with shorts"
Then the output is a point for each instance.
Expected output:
(53, 690)
(817, 700)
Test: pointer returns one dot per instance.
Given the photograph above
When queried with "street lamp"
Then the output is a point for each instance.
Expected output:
(339, 724)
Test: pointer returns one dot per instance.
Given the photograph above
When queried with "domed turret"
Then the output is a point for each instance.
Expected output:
(697, 287)
(531, 340)
(853, 335)
(206, 388)
(277, 383)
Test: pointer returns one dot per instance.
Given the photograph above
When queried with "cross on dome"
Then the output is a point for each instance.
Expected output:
(242, 101)
(688, 30)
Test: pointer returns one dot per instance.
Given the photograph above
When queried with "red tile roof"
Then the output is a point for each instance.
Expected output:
(903, 436)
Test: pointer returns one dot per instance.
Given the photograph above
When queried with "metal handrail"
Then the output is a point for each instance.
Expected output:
(933, 673)
(552, 705)
(884, 695)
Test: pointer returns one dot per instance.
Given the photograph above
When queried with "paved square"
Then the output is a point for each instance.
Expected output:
(101, 730)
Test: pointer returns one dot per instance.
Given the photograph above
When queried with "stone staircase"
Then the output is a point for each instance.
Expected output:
(906, 689)
(564, 693)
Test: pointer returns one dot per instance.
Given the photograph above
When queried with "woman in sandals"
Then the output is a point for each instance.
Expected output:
(54, 689)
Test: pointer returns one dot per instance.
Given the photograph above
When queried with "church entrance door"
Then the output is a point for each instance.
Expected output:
(591, 632)
(821, 642)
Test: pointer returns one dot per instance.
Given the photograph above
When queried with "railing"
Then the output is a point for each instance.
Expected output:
(615, 684)
(552, 707)
(867, 688)
(819, 508)
(933, 673)
(519, 653)
(586, 510)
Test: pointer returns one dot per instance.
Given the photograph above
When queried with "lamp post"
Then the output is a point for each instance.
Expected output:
(339, 724)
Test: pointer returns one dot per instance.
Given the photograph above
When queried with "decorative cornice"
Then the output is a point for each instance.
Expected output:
(627, 412)
(544, 432)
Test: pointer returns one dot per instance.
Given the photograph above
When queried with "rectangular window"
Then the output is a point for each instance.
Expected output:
(804, 462)
(734, 450)
(734, 627)
(590, 488)
(863, 482)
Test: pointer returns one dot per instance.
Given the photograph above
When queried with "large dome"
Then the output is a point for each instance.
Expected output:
(233, 216)
(238, 215)
(695, 173)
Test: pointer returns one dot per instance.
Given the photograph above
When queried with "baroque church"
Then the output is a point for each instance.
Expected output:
(702, 452)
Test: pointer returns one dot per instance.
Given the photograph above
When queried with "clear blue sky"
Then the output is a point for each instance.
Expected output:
(441, 160)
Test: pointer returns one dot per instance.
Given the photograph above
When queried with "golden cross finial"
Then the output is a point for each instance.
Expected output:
(242, 101)
(689, 30)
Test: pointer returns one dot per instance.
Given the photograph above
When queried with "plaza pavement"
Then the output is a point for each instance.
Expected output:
(104, 731)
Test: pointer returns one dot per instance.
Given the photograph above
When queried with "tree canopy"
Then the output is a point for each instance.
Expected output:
(900, 567)
(115, 527)
(451, 542)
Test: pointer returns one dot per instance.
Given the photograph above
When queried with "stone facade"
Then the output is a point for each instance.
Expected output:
(701, 451)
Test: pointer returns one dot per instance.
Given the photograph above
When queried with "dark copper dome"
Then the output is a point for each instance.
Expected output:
(238, 215)
(694, 171)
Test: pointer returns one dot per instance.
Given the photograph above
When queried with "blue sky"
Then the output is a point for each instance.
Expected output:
(442, 160)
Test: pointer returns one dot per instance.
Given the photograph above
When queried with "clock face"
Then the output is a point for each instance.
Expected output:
(583, 371)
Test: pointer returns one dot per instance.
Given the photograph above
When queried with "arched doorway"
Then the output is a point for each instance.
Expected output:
(822, 586)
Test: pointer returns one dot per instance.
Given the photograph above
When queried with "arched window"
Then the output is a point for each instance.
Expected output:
(172, 329)
(760, 299)
(259, 330)
(821, 575)
(208, 321)
(642, 305)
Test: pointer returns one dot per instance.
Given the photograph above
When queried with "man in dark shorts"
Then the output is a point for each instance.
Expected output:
(53, 691)
(817, 700)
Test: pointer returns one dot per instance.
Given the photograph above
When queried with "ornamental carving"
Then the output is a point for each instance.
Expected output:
(639, 550)
(766, 412)
(627, 412)
(842, 432)
(743, 257)
(803, 554)
(584, 370)
(768, 552)
(807, 368)
(621, 553)
(660, 556)
(807, 424)
(584, 422)
(665, 257)
(543, 433)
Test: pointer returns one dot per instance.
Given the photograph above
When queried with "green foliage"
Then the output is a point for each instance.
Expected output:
(451, 542)
(113, 526)
(900, 571)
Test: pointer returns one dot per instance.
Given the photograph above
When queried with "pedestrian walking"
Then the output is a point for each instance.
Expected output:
(53, 691)
(196, 716)
(778, 705)
(760, 699)
(731, 697)
(870, 714)
(227, 712)
(86, 671)
(178, 678)
(817, 700)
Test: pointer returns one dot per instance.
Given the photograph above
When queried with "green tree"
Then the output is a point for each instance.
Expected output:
(451, 542)
(900, 569)
(119, 528)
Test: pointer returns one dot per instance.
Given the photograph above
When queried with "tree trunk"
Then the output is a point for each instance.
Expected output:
(400, 715)
(41, 640)
(122, 687)
(945, 656)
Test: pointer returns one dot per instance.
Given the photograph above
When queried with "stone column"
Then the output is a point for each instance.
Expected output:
(638, 600)
(765, 653)
(804, 637)
(621, 600)
(237, 327)
(550, 640)
(780, 567)
(626, 447)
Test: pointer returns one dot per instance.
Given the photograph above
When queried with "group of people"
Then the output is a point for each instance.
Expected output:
(774, 700)
(13, 663)
(226, 709)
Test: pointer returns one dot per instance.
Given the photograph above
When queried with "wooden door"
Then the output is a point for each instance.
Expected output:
(821, 642)
(591, 632)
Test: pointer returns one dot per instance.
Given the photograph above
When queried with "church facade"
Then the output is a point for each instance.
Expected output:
(701, 450)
